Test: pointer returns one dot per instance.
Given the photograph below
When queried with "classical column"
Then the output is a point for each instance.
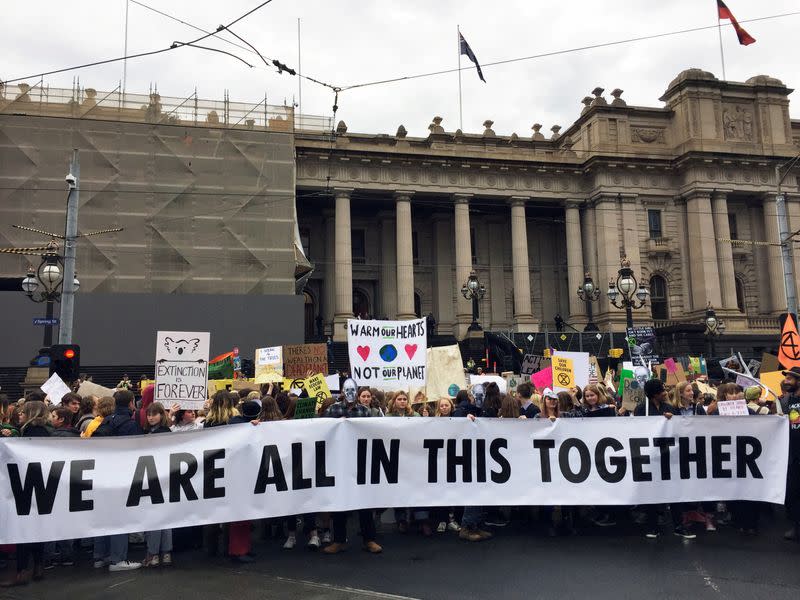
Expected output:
(686, 269)
(608, 255)
(630, 233)
(443, 287)
(702, 251)
(793, 210)
(763, 299)
(774, 260)
(388, 288)
(590, 242)
(463, 261)
(343, 259)
(722, 230)
(405, 257)
(330, 273)
(523, 316)
(575, 270)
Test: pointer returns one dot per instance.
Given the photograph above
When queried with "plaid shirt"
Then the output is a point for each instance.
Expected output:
(341, 409)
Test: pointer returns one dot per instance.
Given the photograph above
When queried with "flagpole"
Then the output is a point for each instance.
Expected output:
(460, 113)
(721, 53)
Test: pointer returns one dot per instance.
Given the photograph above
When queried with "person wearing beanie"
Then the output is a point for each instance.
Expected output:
(753, 396)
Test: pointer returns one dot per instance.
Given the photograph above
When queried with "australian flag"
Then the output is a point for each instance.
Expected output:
(467, 51)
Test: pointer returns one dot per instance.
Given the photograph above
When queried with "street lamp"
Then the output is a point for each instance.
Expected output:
(589, 292)
(626, 292)
(714, 328)
(473, 290)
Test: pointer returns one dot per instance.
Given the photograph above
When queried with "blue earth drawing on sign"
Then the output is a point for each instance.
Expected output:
(388, 353)
(453, 390)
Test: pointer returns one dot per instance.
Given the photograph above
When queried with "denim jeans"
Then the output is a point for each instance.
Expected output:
(158, 542)
(473, 515)
(118, 547)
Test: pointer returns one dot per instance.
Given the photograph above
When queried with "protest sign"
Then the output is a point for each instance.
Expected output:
(445, 376)
(594, 370)
(732, 408)
(580, 365)
(694, 365)
(674, 376)
(113, 485)
(769, 363)
(670, 365)
(269, 365)
(642, 344)
(563, 373)
(182, 368)
(300, 359)
(90, 388)
(332, 381)
(298, 383)
(789, 346)
(317, 388)
(753, 366)
(484, 379)
(55, 388)
(772, 381)
(388, 355)
(306, 408)
(532, 363)
(543, 378)
(512, 381)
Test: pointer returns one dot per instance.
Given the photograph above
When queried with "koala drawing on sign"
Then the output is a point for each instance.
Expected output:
(181, 346)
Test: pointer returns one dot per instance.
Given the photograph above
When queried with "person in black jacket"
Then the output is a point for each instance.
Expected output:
(35, 416)
(159, 542)
(527, 408)
(790, 404)
(61, 419)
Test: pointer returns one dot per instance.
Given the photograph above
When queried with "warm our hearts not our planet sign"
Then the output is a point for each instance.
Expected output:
(388, 355)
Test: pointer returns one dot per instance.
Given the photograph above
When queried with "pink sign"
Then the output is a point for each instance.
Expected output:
(669, 363)
(542, 379)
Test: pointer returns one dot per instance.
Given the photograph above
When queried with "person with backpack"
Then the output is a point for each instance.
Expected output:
(112, 550)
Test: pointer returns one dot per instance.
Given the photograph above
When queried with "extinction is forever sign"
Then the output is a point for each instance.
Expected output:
(389, 355)
(182, 368)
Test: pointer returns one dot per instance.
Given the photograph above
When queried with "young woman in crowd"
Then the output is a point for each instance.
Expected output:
(399, 406)
(551, 405)
(444, 516)
(596, 403)
(184, 419)
(364, 395)
(159, 543)
(8, 418)
(86, 412)
(104, 408)
(30, 557)
(492, 400)
(509, 407)
(684, 399)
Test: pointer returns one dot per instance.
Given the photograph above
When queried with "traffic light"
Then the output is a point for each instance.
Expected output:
(65, 360)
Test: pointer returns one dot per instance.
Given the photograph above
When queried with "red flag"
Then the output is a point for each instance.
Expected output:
(745, 39)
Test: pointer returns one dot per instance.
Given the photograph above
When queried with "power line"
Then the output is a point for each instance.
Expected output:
(559, 52)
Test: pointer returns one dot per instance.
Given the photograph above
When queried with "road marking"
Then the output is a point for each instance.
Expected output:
(706, 577)
(119, 583)
(340, 588)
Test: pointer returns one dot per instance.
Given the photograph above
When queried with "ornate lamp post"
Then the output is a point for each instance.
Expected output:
(626, 292)
(714, 328)
(589, 292)
(473, 290)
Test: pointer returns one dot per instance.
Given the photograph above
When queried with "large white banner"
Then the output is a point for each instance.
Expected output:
(182, 368)
(388, 355)
(61, 488)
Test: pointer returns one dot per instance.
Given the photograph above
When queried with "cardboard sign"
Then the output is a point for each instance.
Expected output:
(632, 395)
(388, 355)
(564, 373)
(317, 387)
(300, 359)
(732, 408)
(55, 388)
(269, 365)
(182, 368)
(446, 375)
(580, 364)
(484, 379)
(89, 388)
(512, 381)
(532, 363)
(543, 378)
(673, 377)
(306, 408)
(769, 363)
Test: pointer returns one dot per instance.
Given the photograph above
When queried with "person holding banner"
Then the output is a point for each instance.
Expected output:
(366, 398)
(527, 409)
(790, 403)
(596, 403)
(158, 542)
(684, 398)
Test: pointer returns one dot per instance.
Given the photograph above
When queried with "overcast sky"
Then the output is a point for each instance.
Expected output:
(346, 42)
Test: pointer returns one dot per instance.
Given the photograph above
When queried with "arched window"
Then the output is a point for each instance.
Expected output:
(360, 304)
(659, 302)
(740, 301)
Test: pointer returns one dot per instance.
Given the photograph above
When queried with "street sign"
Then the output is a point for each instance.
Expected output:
(43, 321)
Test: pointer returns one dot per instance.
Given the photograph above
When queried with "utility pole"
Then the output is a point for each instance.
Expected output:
(70, 239)
(786, 237)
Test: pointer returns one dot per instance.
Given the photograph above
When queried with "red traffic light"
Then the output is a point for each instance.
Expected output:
(69, 353)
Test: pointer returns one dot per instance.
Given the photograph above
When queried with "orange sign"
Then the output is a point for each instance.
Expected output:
(789, 346)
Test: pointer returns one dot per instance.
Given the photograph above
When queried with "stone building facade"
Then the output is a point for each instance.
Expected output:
(395, 224)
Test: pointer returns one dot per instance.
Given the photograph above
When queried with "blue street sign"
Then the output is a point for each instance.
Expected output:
(43, 321)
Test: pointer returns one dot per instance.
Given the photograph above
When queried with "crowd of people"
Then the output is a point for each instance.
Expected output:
(123, 415)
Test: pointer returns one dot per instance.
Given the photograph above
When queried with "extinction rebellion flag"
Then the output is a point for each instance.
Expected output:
(467, 51)
(745, 39)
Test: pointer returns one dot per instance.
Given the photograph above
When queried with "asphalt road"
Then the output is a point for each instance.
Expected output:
(520, 562)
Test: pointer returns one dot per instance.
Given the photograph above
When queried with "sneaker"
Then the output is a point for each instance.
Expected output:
(153, 561)
(710, 524)
(99, 563)
(442, 527)
(166, 559)
(326, 536)
(470, 535)
(684, 533)
(334, 548)
(313, 542)
(124, 565)
(453, 526)
(290, 543)
(372, 547)
(652, 534)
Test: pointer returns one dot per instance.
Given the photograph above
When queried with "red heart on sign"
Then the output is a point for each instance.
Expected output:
(363, 352)
(411, 349)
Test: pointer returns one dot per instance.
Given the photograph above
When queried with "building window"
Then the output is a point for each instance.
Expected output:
(740, 302)
(473, 246)
(11, 284)
(654, 224)
(659, 302)
(733, 226)
(414, 248)
(359, 246)
(305, 240)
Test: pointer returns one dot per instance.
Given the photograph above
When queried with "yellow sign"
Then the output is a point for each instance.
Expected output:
(615, 352)
(293, 384)
(317, 388)
(563, 373)
(772, 380)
